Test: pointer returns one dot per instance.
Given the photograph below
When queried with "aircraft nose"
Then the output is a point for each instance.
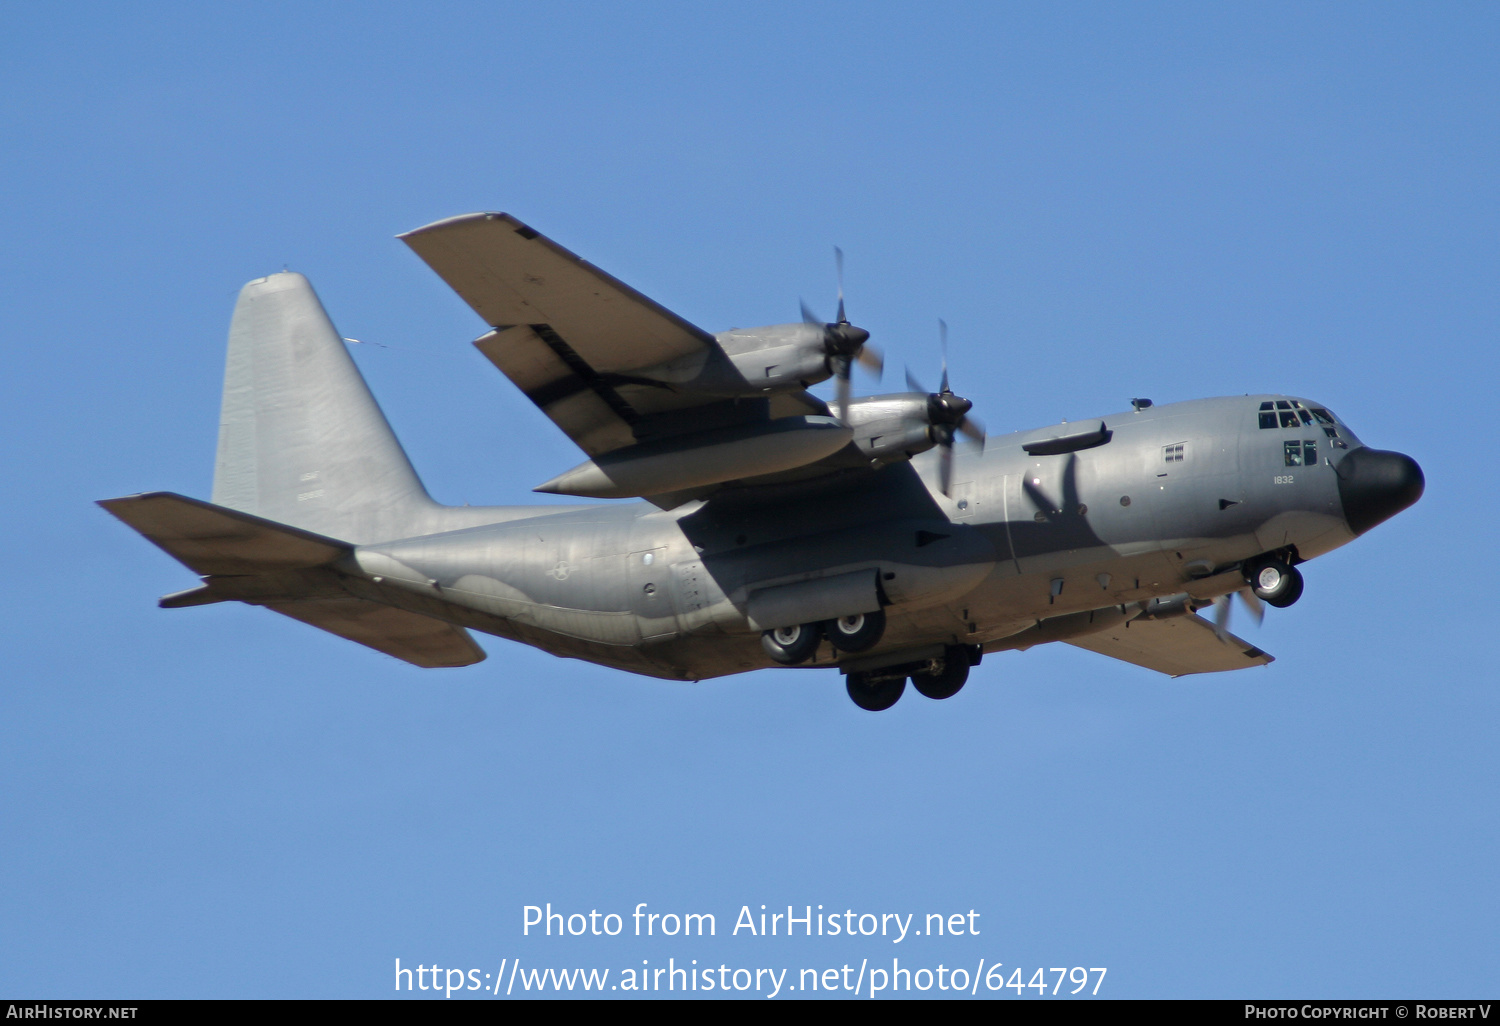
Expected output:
(1375, 485)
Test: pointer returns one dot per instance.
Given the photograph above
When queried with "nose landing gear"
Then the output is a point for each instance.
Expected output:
(1275, 583)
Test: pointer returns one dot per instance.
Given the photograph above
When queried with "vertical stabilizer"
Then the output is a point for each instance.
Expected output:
(301, 439)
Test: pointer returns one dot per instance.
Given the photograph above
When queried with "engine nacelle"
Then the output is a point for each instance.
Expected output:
(777, 357)
(888, 428)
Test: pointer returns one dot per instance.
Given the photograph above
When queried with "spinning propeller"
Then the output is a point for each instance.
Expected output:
(844, 343)
(948, 414)
(1222, 606)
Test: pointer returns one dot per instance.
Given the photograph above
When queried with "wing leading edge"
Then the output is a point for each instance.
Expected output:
(609, 366)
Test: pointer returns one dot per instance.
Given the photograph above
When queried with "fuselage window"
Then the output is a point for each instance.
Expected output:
(1309, 454)
(1293, 453)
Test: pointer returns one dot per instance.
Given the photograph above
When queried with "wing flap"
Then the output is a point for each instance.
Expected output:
(584, 413)
(1177, 646)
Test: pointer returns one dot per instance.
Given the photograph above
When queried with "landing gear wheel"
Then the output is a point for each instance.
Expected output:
(949, 680)
(1276, 584)
(874, 694)
(855, 633)
(791, 645)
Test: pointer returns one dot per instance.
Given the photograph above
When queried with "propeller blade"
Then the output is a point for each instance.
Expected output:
(838, 259)
(943, 340)
(808, 317)
(972, 430)
(870, 359)
(912, 383)
(841, 372)
(945, 467)
(1221, 617)
(1253, 604)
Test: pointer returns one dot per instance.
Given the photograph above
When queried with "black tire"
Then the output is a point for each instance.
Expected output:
(1275, 583)
(874, 694)
(947, 682)
(791, 645)
(855, 633)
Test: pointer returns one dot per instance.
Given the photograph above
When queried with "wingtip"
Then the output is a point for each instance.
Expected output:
(461, 219)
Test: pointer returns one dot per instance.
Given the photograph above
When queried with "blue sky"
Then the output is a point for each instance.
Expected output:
(1104, 201)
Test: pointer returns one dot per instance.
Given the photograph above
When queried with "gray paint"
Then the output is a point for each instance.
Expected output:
(1074, 537)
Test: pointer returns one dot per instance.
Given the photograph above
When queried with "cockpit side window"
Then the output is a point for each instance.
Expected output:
(1300, 454)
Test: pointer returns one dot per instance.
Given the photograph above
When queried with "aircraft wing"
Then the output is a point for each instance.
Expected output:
(576, 341)
(1176, 646)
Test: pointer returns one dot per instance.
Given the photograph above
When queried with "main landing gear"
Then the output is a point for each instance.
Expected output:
(1274, 582)
(797, 643)
(875, 690)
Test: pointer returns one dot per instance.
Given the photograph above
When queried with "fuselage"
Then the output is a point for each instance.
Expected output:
(1172, 502)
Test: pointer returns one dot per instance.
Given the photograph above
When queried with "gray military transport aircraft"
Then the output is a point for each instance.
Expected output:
(775, 531)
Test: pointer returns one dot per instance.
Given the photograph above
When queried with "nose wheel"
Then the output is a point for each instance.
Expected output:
(1275, 583)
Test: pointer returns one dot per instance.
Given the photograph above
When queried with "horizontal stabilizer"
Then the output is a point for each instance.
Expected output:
(285, 569)
(1178, 646)
(210, 539)
(417, 639)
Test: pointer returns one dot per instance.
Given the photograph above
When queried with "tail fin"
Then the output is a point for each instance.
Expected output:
(301, 439)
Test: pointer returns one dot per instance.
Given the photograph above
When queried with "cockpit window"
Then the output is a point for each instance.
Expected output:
(1290, 413)
(1300, 454)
